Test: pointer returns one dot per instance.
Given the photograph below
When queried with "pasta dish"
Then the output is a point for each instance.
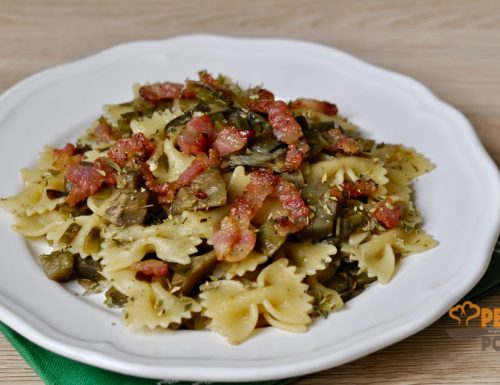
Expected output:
(205, 205)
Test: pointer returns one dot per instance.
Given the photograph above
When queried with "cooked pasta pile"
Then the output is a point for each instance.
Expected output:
(207, 206)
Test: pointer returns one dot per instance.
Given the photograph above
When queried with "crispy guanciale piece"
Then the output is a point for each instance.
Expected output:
(285, 127)
(292, 202)
(230, 140)
(354, 190)
(166, 191)
(167, 90)
(128, 148)
(260, 100)
(66, 157)
(315, 105)
(295, 155)
(235, 239)
(209, 80)
(198, 135)
(341, 142)
(85, 179)
(387, 213)
(103, 132)
(151, 267)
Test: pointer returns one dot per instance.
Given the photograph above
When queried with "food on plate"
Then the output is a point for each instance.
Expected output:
(204, 205)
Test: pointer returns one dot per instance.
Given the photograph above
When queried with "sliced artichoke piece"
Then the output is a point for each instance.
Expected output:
(206, 190)
(58, 265)
(200, 267)
(129, 208)
(269, 240)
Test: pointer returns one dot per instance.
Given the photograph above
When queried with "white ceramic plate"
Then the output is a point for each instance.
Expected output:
(459, 201)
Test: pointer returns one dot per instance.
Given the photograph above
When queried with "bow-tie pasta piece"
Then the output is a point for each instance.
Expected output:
(154, 125)
(376, 256)
(398, 185)
(352, 168)
(309, 257)
(37, 225)
(36, 196)
(286, 303)
(177, 161)
(326, 300)
(236, 182)
(229, 270)
(150, 304)
(232, 308)
(398, 157)
(113, 113)
(46, 158)
(80, 235)
(188, 224)
(168, 250)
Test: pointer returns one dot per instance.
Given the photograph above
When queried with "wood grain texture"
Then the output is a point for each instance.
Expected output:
(451, 46)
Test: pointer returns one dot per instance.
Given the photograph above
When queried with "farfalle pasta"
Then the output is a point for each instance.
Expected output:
(278, 295)
(203, 205)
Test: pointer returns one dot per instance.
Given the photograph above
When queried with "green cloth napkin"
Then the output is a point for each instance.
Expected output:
(57, 370)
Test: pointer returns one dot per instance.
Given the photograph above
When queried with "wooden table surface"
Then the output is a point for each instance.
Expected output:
(451, 46)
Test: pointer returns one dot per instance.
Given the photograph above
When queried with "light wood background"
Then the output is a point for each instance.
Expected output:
(451, 46)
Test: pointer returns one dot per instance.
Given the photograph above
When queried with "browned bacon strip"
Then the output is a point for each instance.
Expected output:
(260, 100)
(126, 148)
(360, 188)
(230, 140)
(341, 142)
(235, 240)
(353, 190)
(159, 91)
(292, 202)
(199, 164)
(387, 213)
(85, 179)
(285, 127)
(167, 190)
(65, 157)
(315, 105)
(151, 267)
(209, 80)
(295, 155)
(103, 133)
(197, 136)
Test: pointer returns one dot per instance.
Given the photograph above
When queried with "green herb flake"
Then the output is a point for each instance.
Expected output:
(114, 166)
